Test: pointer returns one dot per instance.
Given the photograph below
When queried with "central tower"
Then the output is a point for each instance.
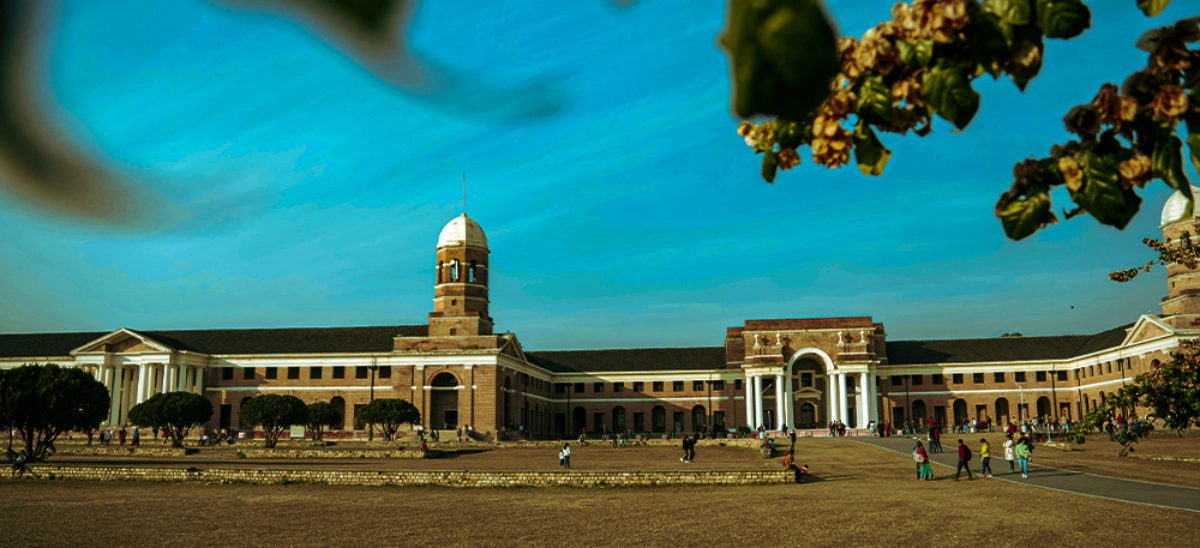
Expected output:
(460, 297)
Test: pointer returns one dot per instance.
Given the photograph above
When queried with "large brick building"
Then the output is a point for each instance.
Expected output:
(775, 373)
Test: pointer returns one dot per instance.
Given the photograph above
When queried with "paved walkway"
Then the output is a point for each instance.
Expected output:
(1055, 479)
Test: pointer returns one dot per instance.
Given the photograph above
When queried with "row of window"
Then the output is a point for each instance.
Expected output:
(338, 372)
(657, 386)
(976, 378)
(658, 417)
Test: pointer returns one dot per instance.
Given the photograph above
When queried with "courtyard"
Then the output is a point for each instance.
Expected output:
(860, 495)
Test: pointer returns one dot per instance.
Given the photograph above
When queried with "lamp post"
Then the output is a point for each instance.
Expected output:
(371, 426)
(1021, 409)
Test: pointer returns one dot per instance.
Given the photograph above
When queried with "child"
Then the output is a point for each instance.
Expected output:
(801, 473)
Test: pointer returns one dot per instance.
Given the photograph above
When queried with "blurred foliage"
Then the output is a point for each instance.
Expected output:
(923, 62)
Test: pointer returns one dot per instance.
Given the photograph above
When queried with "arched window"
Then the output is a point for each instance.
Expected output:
(444, 379)
(1002, 411)
(619, 419)
(918, 410)
(698, 419)
(960, 411)
(658, 419)
(471, 273)
(339, 405)
(454, 270)
(441, 266)
(1043, 407)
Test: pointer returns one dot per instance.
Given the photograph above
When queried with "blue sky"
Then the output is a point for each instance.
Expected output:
(289, 187)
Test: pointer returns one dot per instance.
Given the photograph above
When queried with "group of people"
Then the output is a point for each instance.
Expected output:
(837, 428)
(1017, 453)
(689, 449)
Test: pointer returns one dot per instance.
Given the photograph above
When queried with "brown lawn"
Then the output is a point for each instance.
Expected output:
(862, 496)
(1099, 456)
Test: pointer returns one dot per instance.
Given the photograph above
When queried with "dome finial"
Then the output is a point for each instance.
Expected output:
(464, 193)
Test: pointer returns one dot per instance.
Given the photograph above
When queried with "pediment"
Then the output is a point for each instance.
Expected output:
(122, 341)
(1148, 327)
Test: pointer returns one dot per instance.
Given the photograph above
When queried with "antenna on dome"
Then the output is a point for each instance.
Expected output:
(464, 193)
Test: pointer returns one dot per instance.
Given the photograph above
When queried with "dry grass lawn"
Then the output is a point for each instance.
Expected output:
(862, 496)
(1099, 456)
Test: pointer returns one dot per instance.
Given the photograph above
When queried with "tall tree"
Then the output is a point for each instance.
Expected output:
(174, 413)
(43, 401)
(274, 413)
(320, 415)
(389, 414)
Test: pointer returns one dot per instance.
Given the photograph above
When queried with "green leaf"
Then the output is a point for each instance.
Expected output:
(869, 152)
(1193, 142)
(1152, 7)
(874, 100)
(1063, 18)
(783, 55)
(769, 166)
(1013, 12)
(1102, 194)
(988, 44)
(789, 134)
(1023, 217)
(948, 91)
(1168, 163)
(915, 55)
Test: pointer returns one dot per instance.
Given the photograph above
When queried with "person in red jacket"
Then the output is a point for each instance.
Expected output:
(964, 459)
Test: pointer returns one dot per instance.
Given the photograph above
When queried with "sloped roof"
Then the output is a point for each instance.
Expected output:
(629, 359)
(1002, 349)
(306, 340)
(43, 344)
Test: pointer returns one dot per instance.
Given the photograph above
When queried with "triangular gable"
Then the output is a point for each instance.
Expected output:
(513, 348)
(1147, 327)
(123, 340)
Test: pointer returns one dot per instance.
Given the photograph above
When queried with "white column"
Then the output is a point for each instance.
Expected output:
(874, 399)
(791, 402)
(141, 383)
(864, 396)
(780, 403)
(180, 377)
(843, 400)
(750, 402)
(199, 376)
(118, 393)
(837, 387)
(758, 402)
(165, 381)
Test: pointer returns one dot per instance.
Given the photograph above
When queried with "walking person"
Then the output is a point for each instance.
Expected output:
(89, 436)
(137, 437)
(789, 463)
(121, 437)
(924, 470)
(964, 460)
(985, 453)
(692, 449)
(1010, 453)
(684, 443)
(19, 464)
(1023, 454)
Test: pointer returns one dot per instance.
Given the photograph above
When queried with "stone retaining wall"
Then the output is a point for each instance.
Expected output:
(464, 479)
(1191, 460)
(118, 451)
(330, 453)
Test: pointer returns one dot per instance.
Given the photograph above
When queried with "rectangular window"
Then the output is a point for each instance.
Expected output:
(271, 372)
(361, 372)
(806, 380)
(358, 423)
(957, 378)
(248, 373)
(638, 387)
(977, 378)
(598, 387)
(560, 388)
(293, 373)
(385, 371)
(639, 422)
(719, 420)
(598, 422)
(1040, 376)
(737, 384)
(999, 377)
(1019, 376)
(677, 386)
(718, 385)
(1062, 375)
(314, 372)
(339, 372)
(1110, 367)
(658, 386)
(896, 381)
(918, 379)
(697, 386)
(677, 425)
(937, 378)
(227, 373)
(1091, 371)
(618, 386)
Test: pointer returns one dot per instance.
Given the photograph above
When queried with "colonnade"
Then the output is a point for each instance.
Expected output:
(130, 385)
(837, 399)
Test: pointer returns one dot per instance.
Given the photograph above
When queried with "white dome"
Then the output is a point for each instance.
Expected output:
(1179, 208)
(462, 231)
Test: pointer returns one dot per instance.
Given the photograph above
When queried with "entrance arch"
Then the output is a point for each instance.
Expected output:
(339, 405)
(918, 411)
(1043, 407)
(580, 419)
(1002, 410)
(960, 411)
(443, 401)
(698, 419)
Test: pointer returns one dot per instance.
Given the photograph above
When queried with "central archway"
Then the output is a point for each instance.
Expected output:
(443, 401)
(808, 416)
